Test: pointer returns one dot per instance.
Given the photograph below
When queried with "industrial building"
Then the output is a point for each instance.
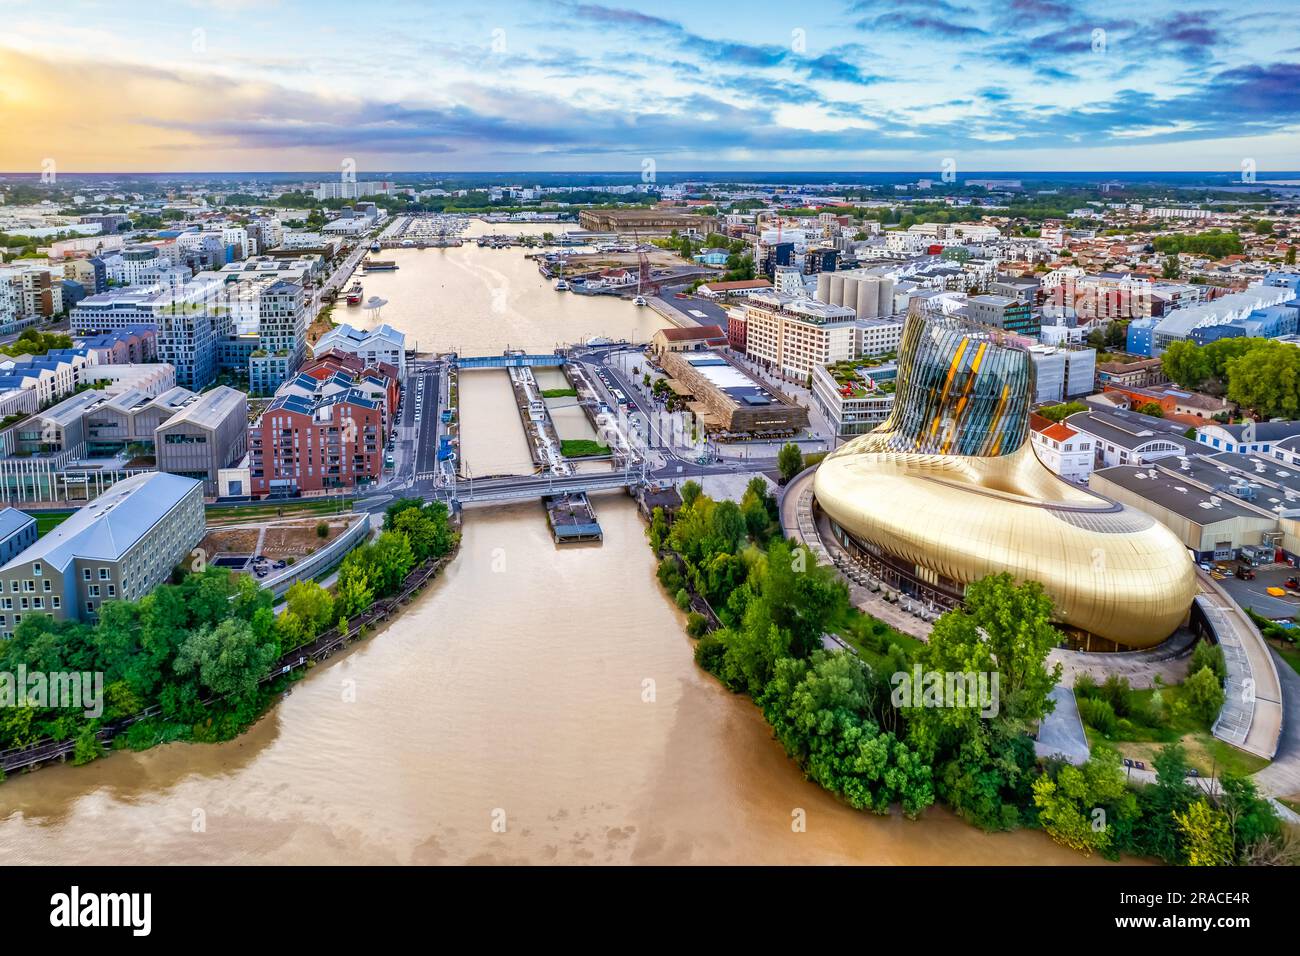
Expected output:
(869, 293)
(646, 222)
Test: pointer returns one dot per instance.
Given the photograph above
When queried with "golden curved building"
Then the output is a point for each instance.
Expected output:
(949, 490)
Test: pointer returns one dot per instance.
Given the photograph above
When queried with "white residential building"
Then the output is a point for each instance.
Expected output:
(381, 344)
(1064, 450)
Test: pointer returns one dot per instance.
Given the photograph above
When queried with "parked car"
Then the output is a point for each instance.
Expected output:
(1245, 574)
(1206, 566)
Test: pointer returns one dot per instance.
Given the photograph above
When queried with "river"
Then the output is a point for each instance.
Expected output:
(536, 705)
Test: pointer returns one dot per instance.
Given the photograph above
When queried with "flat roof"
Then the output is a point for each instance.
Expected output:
(731, 381)
(1179, 496)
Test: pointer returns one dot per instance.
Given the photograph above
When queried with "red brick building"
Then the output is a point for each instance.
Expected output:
(325, 428)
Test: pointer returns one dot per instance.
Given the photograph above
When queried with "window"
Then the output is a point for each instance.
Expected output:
(36, 569)
(55, 602)
(85, 575)
(112, 590)
(94, 590)
(46, 584)
(103, 574)
(90, 607)
(38, 603)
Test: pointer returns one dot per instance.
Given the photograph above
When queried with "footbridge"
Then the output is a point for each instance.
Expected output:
(508, 360)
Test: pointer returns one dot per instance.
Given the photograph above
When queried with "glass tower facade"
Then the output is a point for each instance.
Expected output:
(963, 389)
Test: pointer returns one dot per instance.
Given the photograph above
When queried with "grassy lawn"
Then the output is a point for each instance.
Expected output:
(559, 393)
(48, 520)
(871, 638)
(582, 448)
(235, 514)
(1288, 652)
(1142, 740)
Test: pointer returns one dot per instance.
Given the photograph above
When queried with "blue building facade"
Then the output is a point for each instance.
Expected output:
(1138, 341)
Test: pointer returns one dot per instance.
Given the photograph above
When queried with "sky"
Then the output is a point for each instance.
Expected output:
(397, 85)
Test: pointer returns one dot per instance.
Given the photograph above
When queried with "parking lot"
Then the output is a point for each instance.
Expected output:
(1254, 594)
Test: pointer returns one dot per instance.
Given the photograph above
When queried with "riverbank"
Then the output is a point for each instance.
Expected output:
(224, 717)
(778, 638)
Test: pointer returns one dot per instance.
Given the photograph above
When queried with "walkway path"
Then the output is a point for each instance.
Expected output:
(1252, 714)
(798, 524)
(1060, 733)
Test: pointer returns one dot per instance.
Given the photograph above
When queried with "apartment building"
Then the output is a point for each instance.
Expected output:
(853, 406)
(1066, 451)
(121, 545)
(49, 376)
(878, 336)
(281, 336)
(328, 439)
(17, 533)
(380, 344)
(125, 346)
(795, 336)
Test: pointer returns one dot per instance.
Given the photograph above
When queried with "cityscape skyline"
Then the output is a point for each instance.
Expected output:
(1029, 84)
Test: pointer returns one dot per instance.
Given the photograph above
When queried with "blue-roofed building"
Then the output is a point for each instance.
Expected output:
(121, 545)
(17, 533)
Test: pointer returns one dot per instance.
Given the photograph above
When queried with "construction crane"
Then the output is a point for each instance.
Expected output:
(644, 284)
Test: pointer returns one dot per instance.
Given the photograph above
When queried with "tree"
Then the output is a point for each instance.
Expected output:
(1203, 696)
(983, 766)
(1185, 363)
(1060, 412)
(789, 461)
(1155, 833)
(1205, 835)
(820, 710)
(312, 605)
(690, 491)
(353, 593)
(1251, 819)
(227, 659)
(1267, 379)
(1084, 807)
(1151, 408)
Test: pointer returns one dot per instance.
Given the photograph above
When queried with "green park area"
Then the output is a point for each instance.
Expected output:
(582, 448)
